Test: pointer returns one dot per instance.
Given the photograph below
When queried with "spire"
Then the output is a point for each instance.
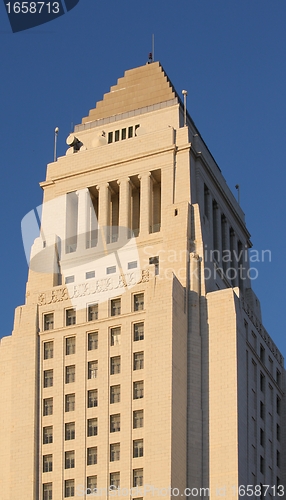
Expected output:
(138, 88)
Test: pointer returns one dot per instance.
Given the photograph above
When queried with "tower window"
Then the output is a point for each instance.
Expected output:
(115, 479)
(138, 389)
(48, 378)
(115, 422)
(92, 398)
(92, 427)
(70, 459)
(138, 448)
(114, 365)
(69, 488)
(69, 279)
(115, 335)
(130, 132)
(48, 350)
(114, 452)
(115, 394)
(92, 312)
(48, 434)
(115, 307)
(47, 491)
(139, 302)
(92, 369)
(70, 317)
(70, 346)
(91, 485)
(116, 135)
(47, 463)
(69, 402)
(69, 431)
(48, 407)
(138, 419)
(137, 477)
(48, 321)
(138, 331)
(155, 261)
(92, 341)
(92, 455)
(89, 275)
(138, 360)
(70, 374)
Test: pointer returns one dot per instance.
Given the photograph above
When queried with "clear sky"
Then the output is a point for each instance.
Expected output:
(228, 54)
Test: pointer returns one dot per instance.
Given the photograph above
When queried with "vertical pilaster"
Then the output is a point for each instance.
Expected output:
(124, 202)
(234, 254)
(103, 212)
(82, 218)
(145, 204)
(226, 255)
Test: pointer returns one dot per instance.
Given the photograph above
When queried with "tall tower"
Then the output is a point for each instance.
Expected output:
(139, 364)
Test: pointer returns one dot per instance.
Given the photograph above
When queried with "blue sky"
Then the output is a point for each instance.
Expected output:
(228, 54)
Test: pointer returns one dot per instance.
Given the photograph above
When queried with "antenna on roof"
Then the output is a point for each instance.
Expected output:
(153, 47)
(151, 54)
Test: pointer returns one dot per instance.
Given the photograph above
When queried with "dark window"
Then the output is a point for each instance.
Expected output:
(110, 137)
(70, 317)
(92, 399)
(92, 455)
(48, 350)
(48, 378)
(92, 427)
(69, 431)
(138, 330)
(138, 419)
(92, 341)
(47, 463)
(48, 321)
(139, 302)
(48, 435)
(92, 312)
(70, 346)
(130, 132)
(114, 365)
(48, 406)
(115, 394)
(115, 422)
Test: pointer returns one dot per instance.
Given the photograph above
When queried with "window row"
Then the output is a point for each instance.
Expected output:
(92, 340)
(92, 426)
(92, 369)
(114, 482)
(91, 455)
(92, 398)
(122, 134)
(92, 311)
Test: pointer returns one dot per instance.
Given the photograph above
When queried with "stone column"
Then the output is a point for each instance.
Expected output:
(217, 237)
(145, 205)
(82, 195)
(103, 209)
(124, 202)
(225, 246)
(234, 254)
